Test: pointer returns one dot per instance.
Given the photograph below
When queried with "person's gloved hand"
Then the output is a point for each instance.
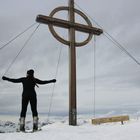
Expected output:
(54, 80)
(4, 78)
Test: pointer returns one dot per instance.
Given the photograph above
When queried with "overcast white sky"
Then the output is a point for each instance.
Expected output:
(117, 76)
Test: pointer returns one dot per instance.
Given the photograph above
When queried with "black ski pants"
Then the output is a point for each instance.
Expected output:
(33, 102)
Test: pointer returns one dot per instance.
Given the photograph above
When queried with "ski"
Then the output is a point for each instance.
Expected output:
(30, 131)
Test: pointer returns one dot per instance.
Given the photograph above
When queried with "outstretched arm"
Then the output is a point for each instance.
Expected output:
(45, 82)
(12, 80)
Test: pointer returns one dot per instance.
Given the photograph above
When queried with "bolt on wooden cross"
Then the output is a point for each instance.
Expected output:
(72, 27)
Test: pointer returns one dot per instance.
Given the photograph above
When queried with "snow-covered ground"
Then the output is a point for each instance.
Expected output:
(60, 130)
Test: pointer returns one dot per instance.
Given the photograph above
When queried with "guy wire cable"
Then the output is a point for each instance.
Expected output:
(21, 50)
(14, 38)
(52, 93)
(112, 39)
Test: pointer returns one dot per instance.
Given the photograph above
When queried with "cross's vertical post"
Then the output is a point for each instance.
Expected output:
(72, 68)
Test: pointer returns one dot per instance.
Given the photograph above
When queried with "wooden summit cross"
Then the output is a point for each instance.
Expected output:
(72, 27)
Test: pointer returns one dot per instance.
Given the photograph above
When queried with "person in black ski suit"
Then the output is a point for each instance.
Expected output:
(29, 95)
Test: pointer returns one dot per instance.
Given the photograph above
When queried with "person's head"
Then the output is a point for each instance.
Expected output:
(30, 73)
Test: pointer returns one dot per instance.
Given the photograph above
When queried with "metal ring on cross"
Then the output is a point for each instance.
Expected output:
(66, 42)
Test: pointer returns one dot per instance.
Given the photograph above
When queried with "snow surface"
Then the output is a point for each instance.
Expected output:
(60, 130)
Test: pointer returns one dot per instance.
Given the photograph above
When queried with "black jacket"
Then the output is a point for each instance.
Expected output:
(28, 83)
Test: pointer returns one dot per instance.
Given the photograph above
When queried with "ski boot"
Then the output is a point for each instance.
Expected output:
(35, 124)
(22, 124)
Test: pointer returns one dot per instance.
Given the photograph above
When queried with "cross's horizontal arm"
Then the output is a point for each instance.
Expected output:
(67, 24)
